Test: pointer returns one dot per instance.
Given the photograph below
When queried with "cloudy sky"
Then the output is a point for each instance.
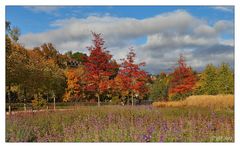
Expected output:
(158, 34)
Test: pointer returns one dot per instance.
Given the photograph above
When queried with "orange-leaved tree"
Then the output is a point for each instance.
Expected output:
(183, 79)
(100, 67)
(131, 79)
(75, 84)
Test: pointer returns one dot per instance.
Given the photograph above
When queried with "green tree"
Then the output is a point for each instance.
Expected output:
(54, 80)
(15, 33)
(7, 26)
(225, 79)
(208, 83)
(52, 77)
(78, 56)
(159, 88)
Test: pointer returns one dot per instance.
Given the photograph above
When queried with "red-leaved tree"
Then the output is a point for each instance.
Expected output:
(131, 79)
(100, 67)
(183, 79)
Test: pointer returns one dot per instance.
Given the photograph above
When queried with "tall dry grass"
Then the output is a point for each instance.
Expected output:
(217, 101)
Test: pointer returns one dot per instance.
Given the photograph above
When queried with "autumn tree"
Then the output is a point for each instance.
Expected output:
(16, 70)
(75, 84)
(16, 61)
(99, 67)
(46, 69)
(131, 79)
(48, 51)
(183, 80)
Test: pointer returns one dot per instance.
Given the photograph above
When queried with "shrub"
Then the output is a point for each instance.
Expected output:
(115, 100)
(38, 103)
(179, 96)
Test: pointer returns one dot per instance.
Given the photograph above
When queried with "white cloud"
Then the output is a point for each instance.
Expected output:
(45, 9)
(168, 35)
(114, 29)
(224, 26)
(226, 8)
(229, 42)
(205, 30)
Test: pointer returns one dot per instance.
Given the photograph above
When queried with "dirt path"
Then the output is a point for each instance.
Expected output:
(37, 111)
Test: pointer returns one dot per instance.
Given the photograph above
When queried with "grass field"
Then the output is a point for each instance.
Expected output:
(123, 124)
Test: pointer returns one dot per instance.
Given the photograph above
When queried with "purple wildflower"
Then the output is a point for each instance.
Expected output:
(161, 139)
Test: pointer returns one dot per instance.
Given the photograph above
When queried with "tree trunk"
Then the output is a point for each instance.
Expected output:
(9, 100)
(24, 100)
(98, 100)
(132, 99)
(54, 102)
(47, 101)
(128, 102)
(25, 107)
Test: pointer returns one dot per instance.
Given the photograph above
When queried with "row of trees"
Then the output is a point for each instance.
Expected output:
(102, 77)
(32, 73)
(43, 74)
(184, 82)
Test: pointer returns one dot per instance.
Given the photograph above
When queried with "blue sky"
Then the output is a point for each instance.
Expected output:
(30, 20)
(191, 28)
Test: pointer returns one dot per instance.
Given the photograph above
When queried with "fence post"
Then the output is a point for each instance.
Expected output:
(9, 100)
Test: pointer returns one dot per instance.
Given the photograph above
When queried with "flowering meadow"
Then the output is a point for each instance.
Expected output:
(122, 124)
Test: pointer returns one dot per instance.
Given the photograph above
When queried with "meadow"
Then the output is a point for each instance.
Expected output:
(123, 124)
(79, 87)
(211, 101)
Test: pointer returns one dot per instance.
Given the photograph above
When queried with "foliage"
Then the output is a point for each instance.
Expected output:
(43, 70)
(160, 87)
(225, 79)
(99, 68)
(12, 32)
(47, 70)
(179, 96)
(183, 80)
(49, 52)
(78, 56)
(208, 81)
(131, 79)
(38, 102)
(115, 100)
(32, 71)
(75, 84)
(16, 60)
(216, 80)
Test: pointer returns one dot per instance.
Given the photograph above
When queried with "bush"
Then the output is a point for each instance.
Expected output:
(115, 100)
(178, 96)
(38, 103)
